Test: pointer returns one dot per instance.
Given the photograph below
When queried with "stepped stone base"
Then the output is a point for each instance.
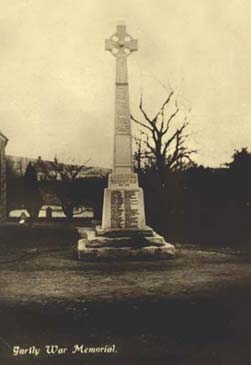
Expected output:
(123, 234)
(131, 246)
(146, 231)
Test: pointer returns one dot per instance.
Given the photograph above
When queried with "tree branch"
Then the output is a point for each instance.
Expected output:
(170, 119)
(140, 123)
(149, 146)
(164, 105)
(142, 110)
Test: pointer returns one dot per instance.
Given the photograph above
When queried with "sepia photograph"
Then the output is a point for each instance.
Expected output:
(125, 182)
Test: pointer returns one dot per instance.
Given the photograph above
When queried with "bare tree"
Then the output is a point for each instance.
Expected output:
(139, 154)
(165, 145)
(66, 174)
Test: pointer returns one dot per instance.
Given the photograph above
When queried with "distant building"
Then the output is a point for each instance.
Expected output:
(18, 165)
(41, 167)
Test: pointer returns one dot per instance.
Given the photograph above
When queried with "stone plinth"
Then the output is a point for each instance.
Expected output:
(123, 206)
(99, 248)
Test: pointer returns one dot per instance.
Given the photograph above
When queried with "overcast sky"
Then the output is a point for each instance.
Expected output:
(57, 82)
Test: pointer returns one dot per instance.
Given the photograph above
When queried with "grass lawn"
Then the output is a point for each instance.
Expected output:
(191, 310)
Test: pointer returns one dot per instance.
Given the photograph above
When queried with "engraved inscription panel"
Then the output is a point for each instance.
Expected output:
(117, 210)
(131, 209)
(124, 209)
(122, 180)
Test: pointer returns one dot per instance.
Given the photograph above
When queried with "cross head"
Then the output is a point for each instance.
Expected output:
(121, 44)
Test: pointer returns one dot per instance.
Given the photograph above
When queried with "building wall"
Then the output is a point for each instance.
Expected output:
(2, 179)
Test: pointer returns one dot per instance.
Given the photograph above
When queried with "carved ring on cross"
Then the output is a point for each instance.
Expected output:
(121, 44)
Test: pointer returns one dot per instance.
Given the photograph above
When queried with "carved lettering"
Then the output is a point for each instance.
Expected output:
(124, 209)
(123, 180)
(117, 210)
(131, 209)
(122, 117)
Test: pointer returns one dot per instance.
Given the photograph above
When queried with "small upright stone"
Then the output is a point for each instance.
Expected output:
(3, 207)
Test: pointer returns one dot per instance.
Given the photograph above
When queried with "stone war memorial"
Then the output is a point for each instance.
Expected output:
(123, 233)
(3, 208)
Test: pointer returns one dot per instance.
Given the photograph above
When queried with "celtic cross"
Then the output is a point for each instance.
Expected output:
(121, 44)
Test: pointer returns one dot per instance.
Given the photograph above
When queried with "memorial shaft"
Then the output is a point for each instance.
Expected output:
(121, 45)
(122, 154)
